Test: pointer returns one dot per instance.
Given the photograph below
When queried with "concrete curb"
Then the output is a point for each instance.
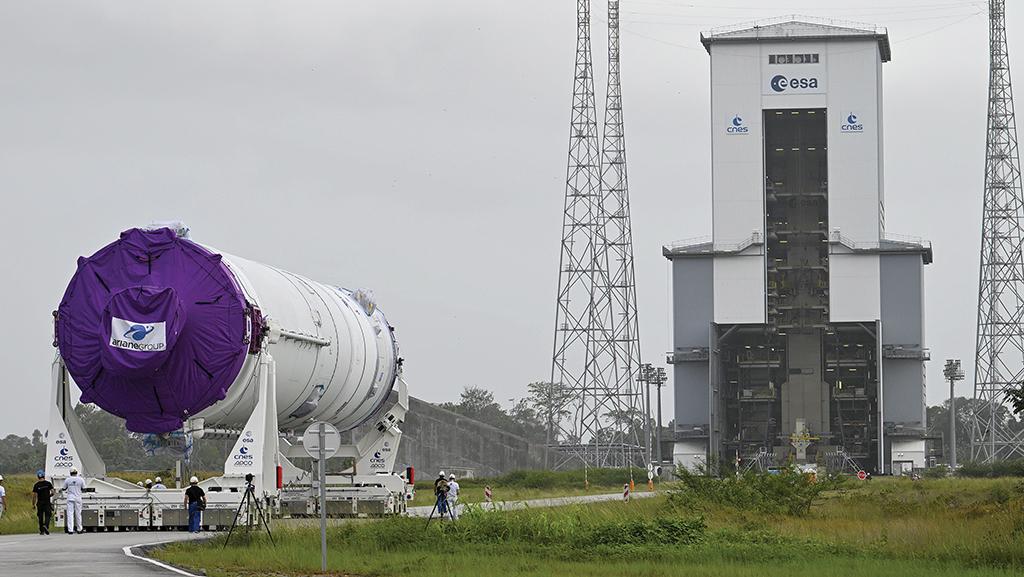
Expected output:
(139, 552)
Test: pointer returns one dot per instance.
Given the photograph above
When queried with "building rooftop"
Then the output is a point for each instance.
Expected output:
(791, 28)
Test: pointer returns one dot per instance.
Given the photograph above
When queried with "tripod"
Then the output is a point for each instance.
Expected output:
(441, 505)
(249, 501)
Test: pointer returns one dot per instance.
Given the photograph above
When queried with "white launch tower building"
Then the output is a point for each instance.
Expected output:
(798, 328)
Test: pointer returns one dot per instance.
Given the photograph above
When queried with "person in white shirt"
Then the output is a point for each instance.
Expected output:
(73, 487)
(159, 484)
(453, 496)
(3, 497)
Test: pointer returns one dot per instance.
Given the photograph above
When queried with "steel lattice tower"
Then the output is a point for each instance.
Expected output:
(585, 366)
(619, 246)
(999, 363)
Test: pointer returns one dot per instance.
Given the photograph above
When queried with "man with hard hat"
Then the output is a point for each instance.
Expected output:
(453, 495)
(3, 497)
(42, 493)
(195, 500)
(73, 487)
(159, 484)
(441, 493)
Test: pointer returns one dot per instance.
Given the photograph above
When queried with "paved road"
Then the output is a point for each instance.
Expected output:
(103, 555)
(88, 555)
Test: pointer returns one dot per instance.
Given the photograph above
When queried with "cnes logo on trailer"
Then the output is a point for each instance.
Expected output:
(136, 336)
(736, 126)
(852, 124)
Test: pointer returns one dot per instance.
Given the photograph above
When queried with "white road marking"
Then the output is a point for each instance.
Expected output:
(128, 552)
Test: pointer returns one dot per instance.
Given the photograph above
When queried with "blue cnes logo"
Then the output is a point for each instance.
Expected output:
(137, 332)
(64, 452)
(376, 454)
(736, 126)
(852, 124)
(243, 450)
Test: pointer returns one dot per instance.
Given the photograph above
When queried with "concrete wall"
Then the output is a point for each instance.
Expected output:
(692, 306)
(434, 439)
(903, 324)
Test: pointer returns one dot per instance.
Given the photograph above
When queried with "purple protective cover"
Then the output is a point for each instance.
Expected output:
(149, 277)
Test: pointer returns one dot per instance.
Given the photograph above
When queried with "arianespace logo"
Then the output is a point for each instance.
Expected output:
(136, 336)
(851, 124)
(781, 83)
(736, 126)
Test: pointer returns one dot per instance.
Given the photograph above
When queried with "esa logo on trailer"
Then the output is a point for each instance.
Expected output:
(780, 83)
(851, 125)
(736, 126)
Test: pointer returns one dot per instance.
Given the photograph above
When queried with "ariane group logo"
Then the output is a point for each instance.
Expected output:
(852, 124)
(138, 332)
(138, 336)
(781, 83)
(736, 126)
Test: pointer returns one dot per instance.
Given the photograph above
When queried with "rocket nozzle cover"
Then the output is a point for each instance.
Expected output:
(152, 328)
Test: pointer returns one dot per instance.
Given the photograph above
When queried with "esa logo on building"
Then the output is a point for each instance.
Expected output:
(851, 125)
(780, 83)
(736, 126)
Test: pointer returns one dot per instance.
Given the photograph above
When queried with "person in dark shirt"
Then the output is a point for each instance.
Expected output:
(195, 500)
(441, 493)
(42, 491)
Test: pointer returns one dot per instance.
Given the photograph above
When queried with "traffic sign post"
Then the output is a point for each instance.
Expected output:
(321, 441)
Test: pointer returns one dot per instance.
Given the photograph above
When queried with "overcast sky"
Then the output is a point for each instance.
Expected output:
(419, 149)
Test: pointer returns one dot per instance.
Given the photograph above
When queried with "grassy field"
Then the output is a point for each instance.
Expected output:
(476, 494)
(885, 527)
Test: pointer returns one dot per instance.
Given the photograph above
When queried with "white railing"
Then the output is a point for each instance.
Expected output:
(761, 23)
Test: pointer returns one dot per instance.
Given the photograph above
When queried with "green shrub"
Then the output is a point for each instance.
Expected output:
(998, 469)
(937, 472)
(787, 492)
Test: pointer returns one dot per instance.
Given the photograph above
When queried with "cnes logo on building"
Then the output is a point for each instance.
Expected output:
(852, 124)
(736, 126)
(136, 336)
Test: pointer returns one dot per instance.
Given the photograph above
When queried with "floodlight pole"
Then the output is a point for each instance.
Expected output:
(646, 373)
(953, 373)
(660, 383)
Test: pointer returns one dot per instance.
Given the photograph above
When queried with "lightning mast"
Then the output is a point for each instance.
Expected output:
(596, 349)
(1000, 345)
(619, 246)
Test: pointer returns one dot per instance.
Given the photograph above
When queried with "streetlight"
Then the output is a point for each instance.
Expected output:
(659, 380)
(953, 373)
(645, 376)
(650, 375)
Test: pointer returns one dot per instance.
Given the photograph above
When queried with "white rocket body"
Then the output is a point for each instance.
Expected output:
(336, 356)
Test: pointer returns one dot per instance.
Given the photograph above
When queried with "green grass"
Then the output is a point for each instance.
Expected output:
(886, 527)
(525, 485)
(425, 496)
(19, 517)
